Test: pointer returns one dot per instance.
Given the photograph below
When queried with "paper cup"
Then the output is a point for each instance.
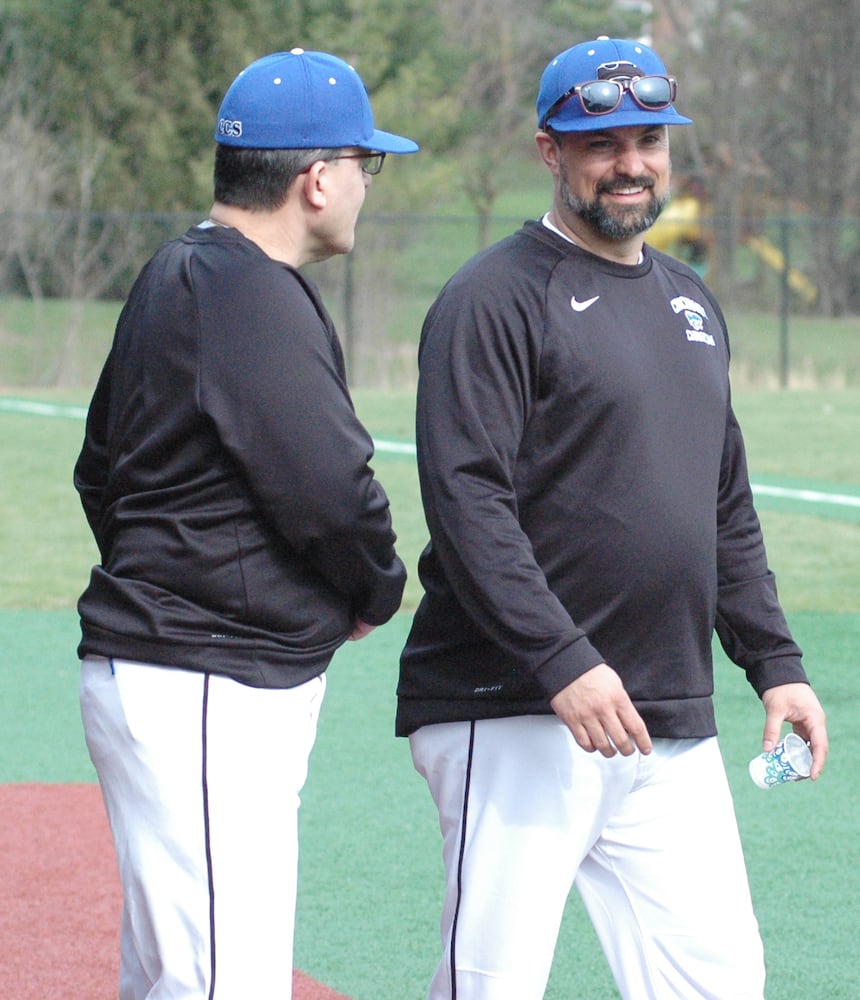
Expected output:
(789, 760)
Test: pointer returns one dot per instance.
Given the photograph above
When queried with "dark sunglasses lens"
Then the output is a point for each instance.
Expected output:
(600, 97)
(653, 92)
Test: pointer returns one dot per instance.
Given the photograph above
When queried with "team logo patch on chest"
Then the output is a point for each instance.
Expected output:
(696, 318)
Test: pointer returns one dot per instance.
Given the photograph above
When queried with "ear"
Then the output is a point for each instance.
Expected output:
(315, 184)
(549, 150)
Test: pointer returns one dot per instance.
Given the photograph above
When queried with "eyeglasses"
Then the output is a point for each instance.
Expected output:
(602, 97)
(371, 162)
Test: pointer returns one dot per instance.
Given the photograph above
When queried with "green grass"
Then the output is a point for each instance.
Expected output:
(807, 439)
(800, 437)
(45, 545)
(800, 842)
(32, 337)
(395, 278)
(370, 868)
(371, 872)
(819, 352)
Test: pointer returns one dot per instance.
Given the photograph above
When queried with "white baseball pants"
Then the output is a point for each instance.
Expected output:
(201, 778)
(651, 843)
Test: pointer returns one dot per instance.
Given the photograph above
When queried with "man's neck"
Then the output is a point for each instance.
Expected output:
(269, 230)
(628, 251)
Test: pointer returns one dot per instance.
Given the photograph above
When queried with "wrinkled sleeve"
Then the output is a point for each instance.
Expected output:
(750, 622)
(271, 380)
(478, 370)
(91, 468)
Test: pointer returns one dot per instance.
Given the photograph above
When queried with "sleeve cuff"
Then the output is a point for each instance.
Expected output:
(566, 665)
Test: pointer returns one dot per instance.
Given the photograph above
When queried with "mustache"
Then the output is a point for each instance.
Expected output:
(622, 183)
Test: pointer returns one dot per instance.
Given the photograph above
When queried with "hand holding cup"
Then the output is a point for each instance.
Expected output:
(789, 760)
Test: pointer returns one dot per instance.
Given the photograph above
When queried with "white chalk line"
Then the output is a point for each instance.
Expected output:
(64, 411)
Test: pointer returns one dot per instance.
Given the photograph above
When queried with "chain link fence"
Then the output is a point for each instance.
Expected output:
(790, 288)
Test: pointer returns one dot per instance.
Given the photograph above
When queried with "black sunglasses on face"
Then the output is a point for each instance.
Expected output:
(602, 97)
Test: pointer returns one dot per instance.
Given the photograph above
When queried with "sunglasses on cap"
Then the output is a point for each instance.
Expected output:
(602, 97)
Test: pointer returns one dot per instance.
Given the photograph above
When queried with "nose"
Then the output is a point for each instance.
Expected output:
(629, 161)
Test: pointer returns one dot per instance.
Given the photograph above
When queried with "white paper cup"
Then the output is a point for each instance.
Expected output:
(789, 760)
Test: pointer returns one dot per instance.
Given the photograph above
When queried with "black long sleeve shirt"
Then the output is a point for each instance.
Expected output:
(225, 475)
(586, 492)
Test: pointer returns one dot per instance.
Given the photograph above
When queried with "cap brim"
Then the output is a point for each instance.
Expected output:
(621, 118)
(388, 142)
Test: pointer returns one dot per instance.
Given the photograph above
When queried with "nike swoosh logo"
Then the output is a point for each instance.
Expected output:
(579, 307)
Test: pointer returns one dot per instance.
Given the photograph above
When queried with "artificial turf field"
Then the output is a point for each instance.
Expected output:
(370, 867)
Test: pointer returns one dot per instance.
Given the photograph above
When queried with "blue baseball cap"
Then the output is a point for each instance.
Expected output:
(302, 100)
(603, 59)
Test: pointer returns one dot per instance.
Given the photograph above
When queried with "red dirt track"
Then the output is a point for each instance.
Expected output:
(60, 898)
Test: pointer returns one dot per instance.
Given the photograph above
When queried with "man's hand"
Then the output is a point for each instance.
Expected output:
(797, 704)
(359, 630)
(598, 711)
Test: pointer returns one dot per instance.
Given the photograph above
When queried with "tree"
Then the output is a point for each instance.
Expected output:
(95, 248)
(147, 78)
(31, 178)
(809, 135)
(140, 84)
(774, 90)
(52, 239)
(499, 49)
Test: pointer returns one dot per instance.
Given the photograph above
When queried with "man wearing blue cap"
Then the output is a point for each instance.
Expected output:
(591, 525)
(242, 538)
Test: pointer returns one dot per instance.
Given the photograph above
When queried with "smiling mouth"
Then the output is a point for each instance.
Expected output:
(627, 190)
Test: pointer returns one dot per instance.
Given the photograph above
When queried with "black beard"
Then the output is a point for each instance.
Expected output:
(629, 222)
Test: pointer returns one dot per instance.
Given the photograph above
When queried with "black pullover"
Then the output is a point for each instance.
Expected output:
(225, 475)
(586, 492)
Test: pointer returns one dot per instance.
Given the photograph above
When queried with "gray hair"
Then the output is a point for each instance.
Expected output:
(258, 179)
